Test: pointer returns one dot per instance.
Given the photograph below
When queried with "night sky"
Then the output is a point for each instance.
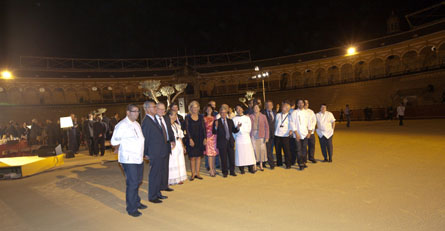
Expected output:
(147, 28)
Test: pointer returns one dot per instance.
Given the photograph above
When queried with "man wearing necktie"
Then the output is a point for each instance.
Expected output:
(270, 115)
(159, 140)
(223, 128)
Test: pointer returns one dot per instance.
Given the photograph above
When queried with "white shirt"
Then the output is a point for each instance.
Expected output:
(400, 111)
(324, 124)
(128, 135)
(300, 119)
(161, 120)
(312, 120)
(283, 124)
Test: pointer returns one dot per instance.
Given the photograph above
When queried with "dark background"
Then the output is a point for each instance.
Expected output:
(148, 28)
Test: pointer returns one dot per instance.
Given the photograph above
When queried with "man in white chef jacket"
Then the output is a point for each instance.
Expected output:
(128, 140)
(311, 140)
(325, 131)
(302, 133)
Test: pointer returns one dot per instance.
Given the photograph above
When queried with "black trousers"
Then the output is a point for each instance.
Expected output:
(326, 147)
(270, 157)
(100, 141)
(311, 147)
(401, 120)
(302, 151)
(348, 119)
(227, 156)
(250, 167)
(133, 176)
(164, 174)
(282, 143)
(90, 144)
(293, 150)
(156, 179)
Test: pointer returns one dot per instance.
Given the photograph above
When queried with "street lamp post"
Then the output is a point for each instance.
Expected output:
(262, 76)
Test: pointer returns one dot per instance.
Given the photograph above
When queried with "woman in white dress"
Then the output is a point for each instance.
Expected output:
(177, 173)
(244, 153)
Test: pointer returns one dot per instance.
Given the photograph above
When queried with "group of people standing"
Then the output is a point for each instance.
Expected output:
(245, 140)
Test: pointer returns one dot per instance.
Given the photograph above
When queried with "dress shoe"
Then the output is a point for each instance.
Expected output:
(325, 160)
(142, 206)
(314, 161)
(198, 177)
(253, 172)
(163, 197)
(233, 174)
(224, 175)
(288, 167)
(208, 169)
(242, 172)
(301, 168)
(272, 167)
(135, 214)
(262, 169)
(155, 201)
(167, 190)
(330, 160)
(305, 165)
(192, 178)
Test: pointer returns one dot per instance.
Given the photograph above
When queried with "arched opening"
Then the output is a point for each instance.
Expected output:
(321, 78)
(297, 79)
(409, 61)
(46, 97)
(71, 96)
(107, 94)
(376, 68)
(284, 81)
(82, 95)
(31, 96)
(393, 65)
(427, 57)
(15, 96)
(360, 70)
(333, 75)
(346, 73)
(308, 80)
(441, 54)
(58, 96)
(119, 94)
(3, 96)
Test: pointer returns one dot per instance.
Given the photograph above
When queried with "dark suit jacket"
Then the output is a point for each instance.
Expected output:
(155, 146)
(271, 122)
(221, 133)
(99, 128)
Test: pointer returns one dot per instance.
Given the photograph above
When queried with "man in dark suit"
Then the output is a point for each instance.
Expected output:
(88, 133)
(159, 140)
(99, 132)
(270, 115)
(223, 128)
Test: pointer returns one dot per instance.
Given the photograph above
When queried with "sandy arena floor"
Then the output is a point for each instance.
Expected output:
(384, 177)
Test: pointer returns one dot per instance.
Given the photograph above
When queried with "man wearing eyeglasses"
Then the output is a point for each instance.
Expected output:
(128, 140)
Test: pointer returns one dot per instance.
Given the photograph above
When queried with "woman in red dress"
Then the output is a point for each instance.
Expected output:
(211, 151)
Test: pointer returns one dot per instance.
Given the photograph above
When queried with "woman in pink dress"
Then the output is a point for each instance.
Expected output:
(211, 152)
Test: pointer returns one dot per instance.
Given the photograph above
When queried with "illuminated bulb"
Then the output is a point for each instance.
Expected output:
(351, 51)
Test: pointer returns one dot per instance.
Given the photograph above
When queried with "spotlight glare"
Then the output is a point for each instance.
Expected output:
(351, 51)
(7, 74)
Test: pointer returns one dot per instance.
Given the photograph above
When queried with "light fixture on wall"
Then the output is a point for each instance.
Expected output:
(7, 75)
(351, 51)
(110, 88)
(1, 89)
(42, 90)
(94, 88)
